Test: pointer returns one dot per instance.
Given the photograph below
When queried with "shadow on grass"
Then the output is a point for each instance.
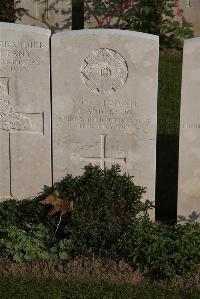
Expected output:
(167, 178)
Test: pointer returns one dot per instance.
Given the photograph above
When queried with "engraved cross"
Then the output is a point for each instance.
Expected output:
(102, 159)
(16, 122)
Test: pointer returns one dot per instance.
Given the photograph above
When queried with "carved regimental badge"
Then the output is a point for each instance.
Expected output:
(104, 71)
(9, 119)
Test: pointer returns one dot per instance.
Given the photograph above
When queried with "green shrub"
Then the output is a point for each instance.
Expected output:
(109, 220)
(25, 244)
(163, 18)
(20, 213)
(167, 250)
(34, 242)
(106, 202)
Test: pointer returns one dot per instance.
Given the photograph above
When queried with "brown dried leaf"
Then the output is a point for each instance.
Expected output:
(59, 205)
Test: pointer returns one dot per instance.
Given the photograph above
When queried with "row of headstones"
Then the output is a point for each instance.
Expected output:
(89, 98)
(59, 15)
(53, 14)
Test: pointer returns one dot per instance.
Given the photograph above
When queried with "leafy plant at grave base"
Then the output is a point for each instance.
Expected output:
(108, 221)
(25, 244)
(20, 213)
(105, 202)
(162, 249)
(160, 17)
(34, 242)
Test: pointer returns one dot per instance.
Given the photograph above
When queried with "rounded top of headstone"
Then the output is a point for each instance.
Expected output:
(107, 31)
(26, 28)
(193, 40)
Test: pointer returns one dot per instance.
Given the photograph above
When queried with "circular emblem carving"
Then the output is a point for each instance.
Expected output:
(104, 71)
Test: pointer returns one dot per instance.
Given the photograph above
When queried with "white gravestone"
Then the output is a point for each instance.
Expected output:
(25, 116)
(53, 14)
(104, 102)
(189, 147)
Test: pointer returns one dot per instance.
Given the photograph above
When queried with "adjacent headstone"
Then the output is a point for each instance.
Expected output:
(189, 148)
(191, 11)
(25, 116)
(53, 14)
(104, 102)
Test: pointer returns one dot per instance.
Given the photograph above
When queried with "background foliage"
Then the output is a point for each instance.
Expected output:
(160, 17)
(7, 11)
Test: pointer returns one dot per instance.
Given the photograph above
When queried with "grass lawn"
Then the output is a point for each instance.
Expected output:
(169, 94)
(51, 288)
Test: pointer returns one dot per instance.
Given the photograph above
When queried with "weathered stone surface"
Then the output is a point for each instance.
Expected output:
(192, 13)
(25, 117)
(104, 102)
(53, 14)
(189, 148)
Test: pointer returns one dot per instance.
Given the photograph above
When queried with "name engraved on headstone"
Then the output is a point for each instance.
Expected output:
(20, 56)
(110, 115)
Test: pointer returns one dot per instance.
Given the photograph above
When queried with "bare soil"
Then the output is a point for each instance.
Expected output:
(93, 269)
(79, 268)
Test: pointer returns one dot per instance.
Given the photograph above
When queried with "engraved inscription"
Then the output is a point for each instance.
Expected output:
(111, 113)
(191, 126)
(104, 71)
(102, 159)
(20, 56)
